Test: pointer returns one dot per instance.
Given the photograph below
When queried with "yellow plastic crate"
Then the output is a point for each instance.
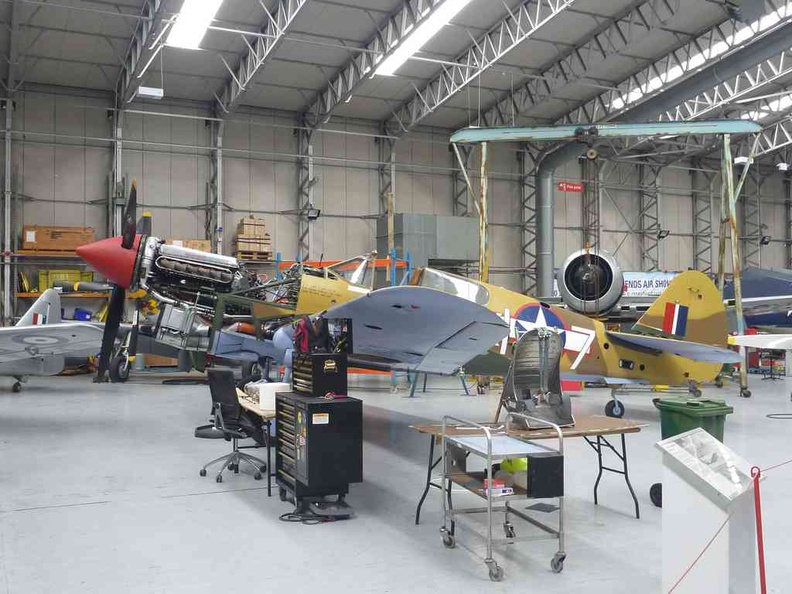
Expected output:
(72, 275)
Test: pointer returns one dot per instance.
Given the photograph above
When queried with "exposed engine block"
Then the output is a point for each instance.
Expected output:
(187, 275)
(590, 282)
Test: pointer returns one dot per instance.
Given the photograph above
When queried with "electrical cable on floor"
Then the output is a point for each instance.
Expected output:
(308, 519)
(185, 381)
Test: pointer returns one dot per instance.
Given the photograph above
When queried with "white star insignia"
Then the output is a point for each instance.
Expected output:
(541, 322)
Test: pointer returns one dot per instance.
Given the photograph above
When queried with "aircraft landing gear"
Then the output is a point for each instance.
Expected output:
(615, 409)
(119, 368)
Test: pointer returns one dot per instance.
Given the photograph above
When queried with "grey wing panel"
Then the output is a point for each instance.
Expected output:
(23, 342)
(420, 328)
(690, 350)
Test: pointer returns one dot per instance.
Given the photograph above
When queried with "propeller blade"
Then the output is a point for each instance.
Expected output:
(129, 226)
(144, 224)
(114, 313)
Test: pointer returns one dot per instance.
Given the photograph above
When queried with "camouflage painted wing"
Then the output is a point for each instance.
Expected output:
(690, 350)
(25, 342)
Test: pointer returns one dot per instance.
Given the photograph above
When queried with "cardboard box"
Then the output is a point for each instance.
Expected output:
(204, 245)
(248, 244)
(61, 239)
(252, 227)
(160, 361)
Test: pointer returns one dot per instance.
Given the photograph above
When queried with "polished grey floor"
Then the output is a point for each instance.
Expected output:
(100, 492)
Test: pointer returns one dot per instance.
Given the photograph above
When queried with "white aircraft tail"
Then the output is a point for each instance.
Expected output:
(46, 310)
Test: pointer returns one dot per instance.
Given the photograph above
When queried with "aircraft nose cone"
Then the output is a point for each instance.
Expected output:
(111, 260)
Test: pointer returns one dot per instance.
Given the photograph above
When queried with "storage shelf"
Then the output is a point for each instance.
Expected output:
(67, 295)
(44, 254)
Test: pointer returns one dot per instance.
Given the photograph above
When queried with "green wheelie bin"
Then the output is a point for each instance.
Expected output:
(678, 415)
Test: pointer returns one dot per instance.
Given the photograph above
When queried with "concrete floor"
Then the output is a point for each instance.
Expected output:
(100, 492)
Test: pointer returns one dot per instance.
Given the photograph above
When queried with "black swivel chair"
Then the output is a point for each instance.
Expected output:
(230, 423)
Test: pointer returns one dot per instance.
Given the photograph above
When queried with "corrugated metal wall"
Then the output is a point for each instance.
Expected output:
(62, 159)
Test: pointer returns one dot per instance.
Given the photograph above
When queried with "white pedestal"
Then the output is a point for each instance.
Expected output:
(690, 519)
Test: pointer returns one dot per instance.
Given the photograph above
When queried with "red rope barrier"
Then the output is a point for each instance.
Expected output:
(756, 473)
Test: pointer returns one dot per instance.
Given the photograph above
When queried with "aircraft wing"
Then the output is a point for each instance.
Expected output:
(763, 305)
(24, 342)
(771, 342)
(682, 348)
(420, 329)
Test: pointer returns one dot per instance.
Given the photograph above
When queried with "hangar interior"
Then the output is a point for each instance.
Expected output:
(282, 113)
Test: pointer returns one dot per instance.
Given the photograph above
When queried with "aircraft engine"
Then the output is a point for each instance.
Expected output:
(184, 274)
(590, 282)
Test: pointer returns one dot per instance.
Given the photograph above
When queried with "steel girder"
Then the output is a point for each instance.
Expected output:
(486, 51)
(752, 219)
(591, 204)
(215, 205)
(258, 53)
(529, 160)
(143, 48)
(349, 78)
(701, 190)
(611, 39)
(10, 83)
(698, 53)
(649, 217)
(387, 171)
(775, 137)
(305, 184)
(788, 226)
(459, 186)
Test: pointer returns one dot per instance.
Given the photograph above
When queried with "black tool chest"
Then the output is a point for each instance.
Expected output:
(319, 374)
(319, 445)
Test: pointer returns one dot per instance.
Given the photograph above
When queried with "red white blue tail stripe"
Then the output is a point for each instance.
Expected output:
(675, 319)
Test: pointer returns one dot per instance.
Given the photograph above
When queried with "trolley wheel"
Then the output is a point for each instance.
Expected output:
(17, 387)
(696, 393)
(263, 468)
(257, 476)
(480, 390)
(449, 540)
(508, 530)
(656, 494)
(557, 563)
(719, 382)
(614, 408)
(745, 393)
(219, 478)
(282, 494)
(495, 572)
(203, 472)
(119, 369)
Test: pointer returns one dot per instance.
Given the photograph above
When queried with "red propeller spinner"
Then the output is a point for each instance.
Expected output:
(112, 260)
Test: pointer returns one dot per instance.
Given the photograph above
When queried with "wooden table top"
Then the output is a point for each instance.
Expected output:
(585, 426)
(249, 404)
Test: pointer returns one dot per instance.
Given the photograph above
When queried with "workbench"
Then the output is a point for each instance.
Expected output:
(594, 429)
(266, 416)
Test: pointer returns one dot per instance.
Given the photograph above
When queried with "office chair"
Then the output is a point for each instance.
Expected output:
(230, 423)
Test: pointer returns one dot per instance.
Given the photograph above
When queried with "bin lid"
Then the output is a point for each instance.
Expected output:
(694, 407)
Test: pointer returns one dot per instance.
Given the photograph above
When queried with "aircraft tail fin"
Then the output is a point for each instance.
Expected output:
(46, 310)
(690, 309)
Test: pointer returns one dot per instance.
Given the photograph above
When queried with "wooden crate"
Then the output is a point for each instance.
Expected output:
(60, 239)
(253, 256)
(160, 361)
(252, 244)
(203, 245)
(252, 227)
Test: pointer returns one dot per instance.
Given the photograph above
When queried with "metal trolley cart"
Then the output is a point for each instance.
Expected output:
(545, 480)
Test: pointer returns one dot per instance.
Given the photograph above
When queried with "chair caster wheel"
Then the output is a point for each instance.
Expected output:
(282, 494)
(263, 468)
(449, 541)
(495, 572)
(508, 530)
(557, 563)
(219, 478)
(656, 494)
(203, 472)
(257, 476)
(17, 387)
(233, 467)
(745, 393)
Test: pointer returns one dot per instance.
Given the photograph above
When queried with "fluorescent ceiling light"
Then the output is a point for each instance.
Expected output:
(418, 37)
(192, 23)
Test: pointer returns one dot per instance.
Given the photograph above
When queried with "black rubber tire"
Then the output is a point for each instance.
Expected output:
(16, 388)
(615, 409)
(118, 369)
(496, 573)
(257, 476)
(508, 530)
(656, 494)
(719, 382)
(745, 393)
(202, 472)
(696, 393)
(283, 495)
(557, 563)
(263, 468)
(219, 478)
(449, 541)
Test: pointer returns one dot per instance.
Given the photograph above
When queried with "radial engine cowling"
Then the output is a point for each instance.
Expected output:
(590, 282)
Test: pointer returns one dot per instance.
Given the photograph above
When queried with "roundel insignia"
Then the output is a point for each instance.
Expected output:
(533, 316)
(38, 340)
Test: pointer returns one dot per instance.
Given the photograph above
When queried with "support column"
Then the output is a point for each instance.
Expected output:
(649, 216)
(701, 191)
(591, 202)
(461, 197)
(788, 210)
(528, 158)
(117, 194)
(752, 220)
(215, 205)
(8, 315)
(387, 172)
(305, 183)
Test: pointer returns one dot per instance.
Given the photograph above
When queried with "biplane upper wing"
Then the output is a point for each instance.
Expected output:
(420, 329)
(682, 348)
